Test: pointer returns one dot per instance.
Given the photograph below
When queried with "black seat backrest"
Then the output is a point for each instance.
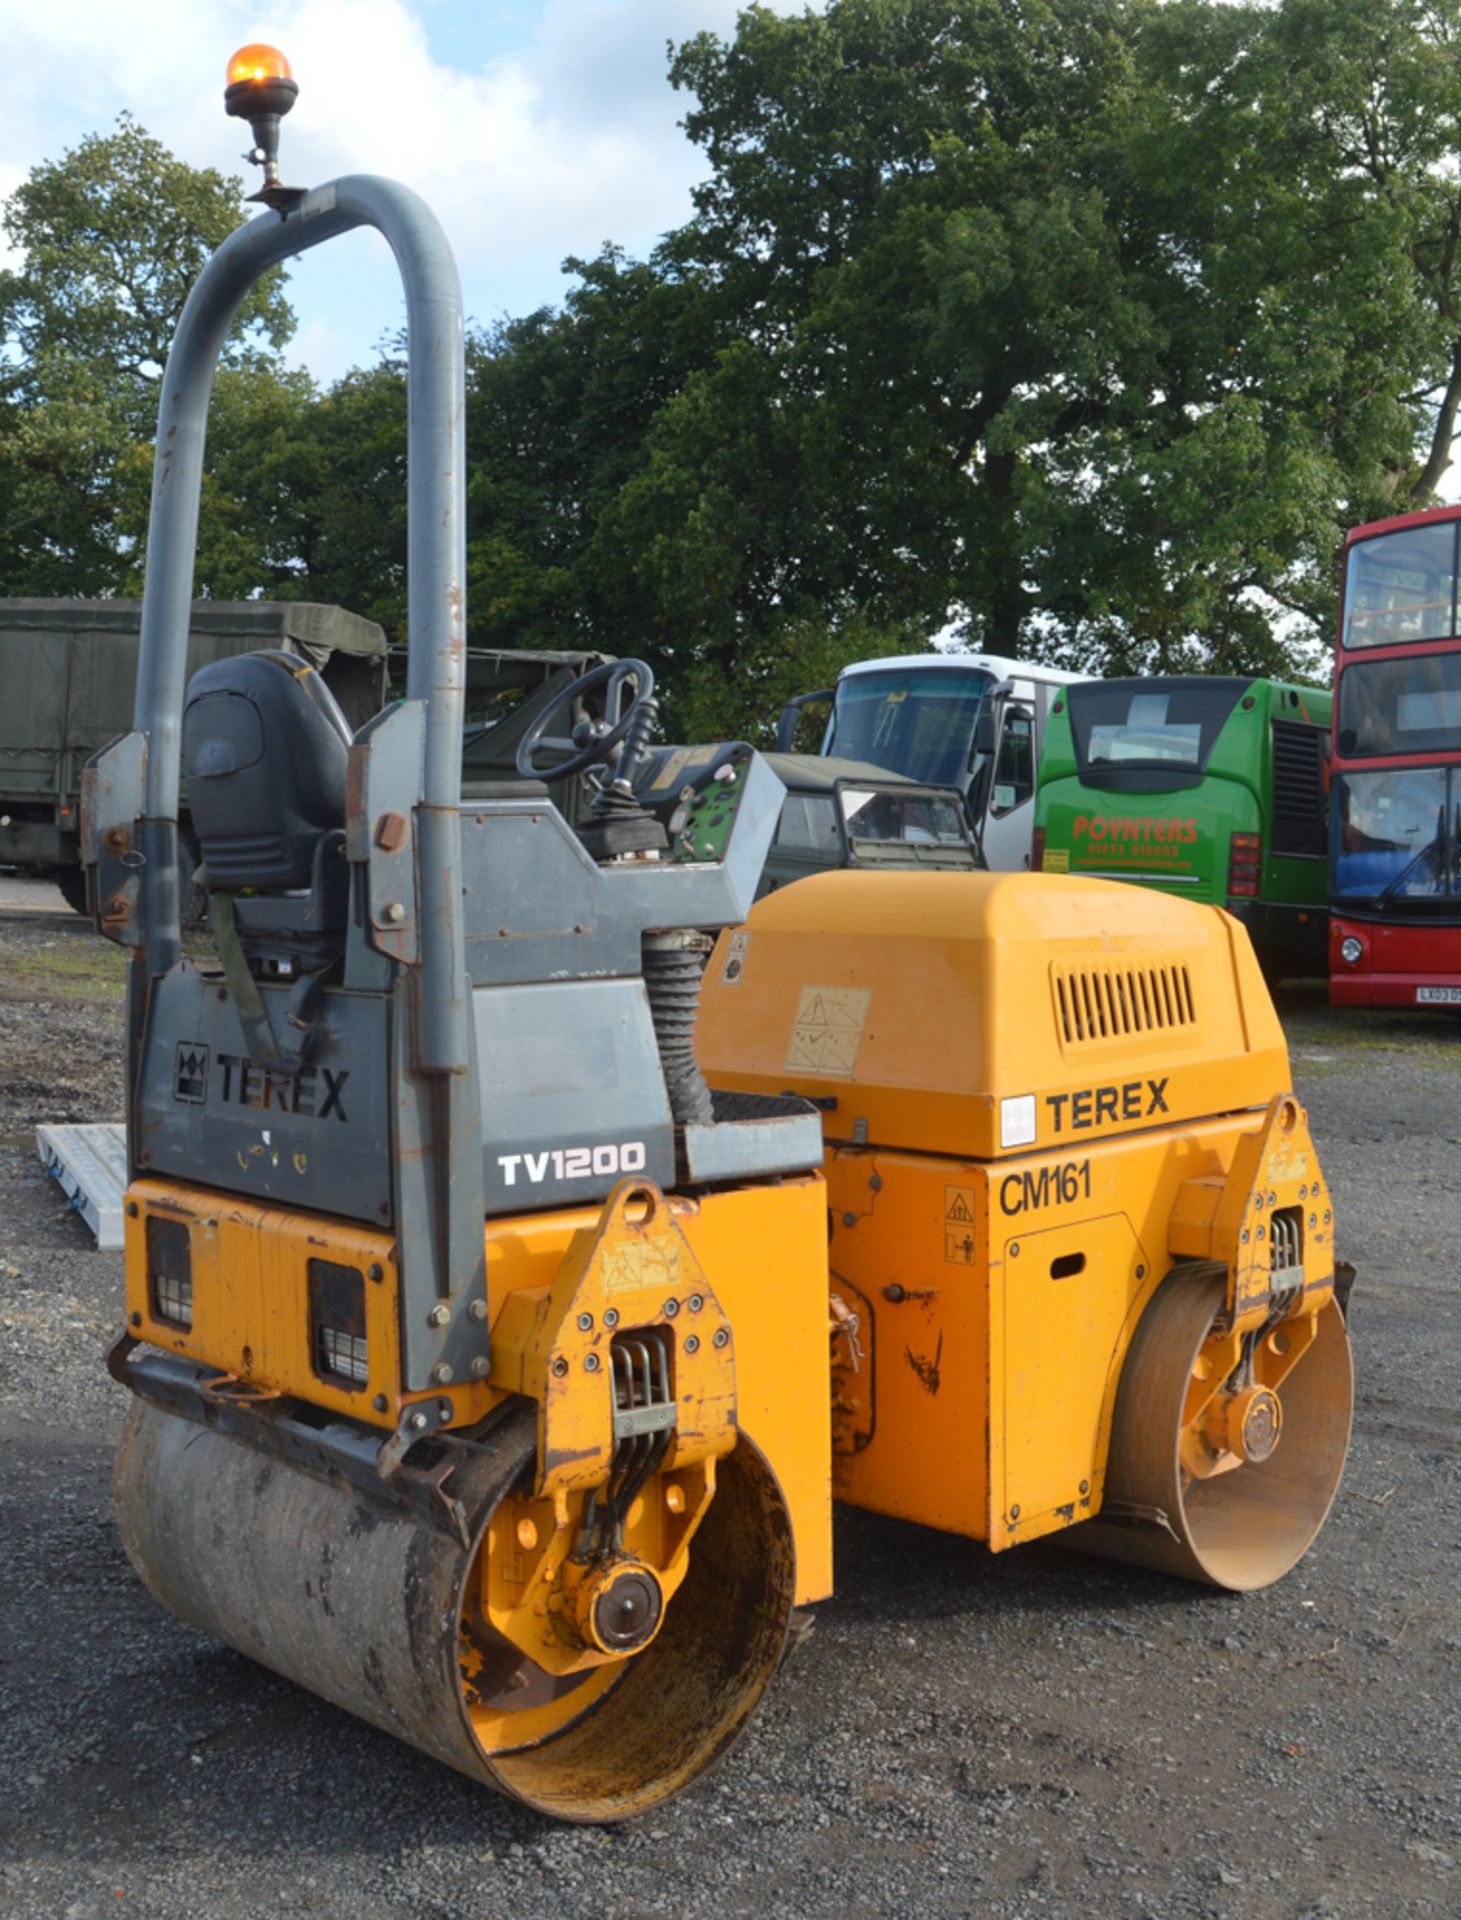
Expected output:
(265, 745)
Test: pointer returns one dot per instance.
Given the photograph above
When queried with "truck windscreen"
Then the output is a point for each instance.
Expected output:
(917, 721)
(1144, 735)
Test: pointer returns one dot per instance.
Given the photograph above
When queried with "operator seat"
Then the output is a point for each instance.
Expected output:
(266, 749)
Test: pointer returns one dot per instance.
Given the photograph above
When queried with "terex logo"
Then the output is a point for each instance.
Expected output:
(1128, 1100)
(314, 1093)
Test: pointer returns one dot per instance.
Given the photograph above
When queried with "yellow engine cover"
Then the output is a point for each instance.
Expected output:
(988, 1014)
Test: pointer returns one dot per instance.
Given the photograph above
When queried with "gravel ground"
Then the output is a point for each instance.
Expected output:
(1033, 1734)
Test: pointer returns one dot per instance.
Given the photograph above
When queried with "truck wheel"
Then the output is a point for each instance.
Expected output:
(193, 894)
(72, 883)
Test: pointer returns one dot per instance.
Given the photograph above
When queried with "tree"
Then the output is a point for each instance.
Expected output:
(558, 407)
(111, 238)
(1093, 323)
(1312, 150)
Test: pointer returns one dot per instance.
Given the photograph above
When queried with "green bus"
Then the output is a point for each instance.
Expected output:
(1212, 787)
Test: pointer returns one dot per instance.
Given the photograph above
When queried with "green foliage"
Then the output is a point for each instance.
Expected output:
(59, 460)
(798, 657)
(111, 238)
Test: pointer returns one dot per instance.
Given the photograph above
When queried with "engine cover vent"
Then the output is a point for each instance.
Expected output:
(1114, 1002)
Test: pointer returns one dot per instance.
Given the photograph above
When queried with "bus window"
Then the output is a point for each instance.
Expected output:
(1014, 772)
(1401, 706)
(1143, 736)
(1401, 587)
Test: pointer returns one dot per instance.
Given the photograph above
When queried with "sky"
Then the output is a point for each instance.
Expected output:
(535, 129)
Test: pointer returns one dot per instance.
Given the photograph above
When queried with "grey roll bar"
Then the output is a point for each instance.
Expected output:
(436, 666)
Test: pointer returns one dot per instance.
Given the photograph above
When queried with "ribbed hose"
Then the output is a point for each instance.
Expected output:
(673, 964)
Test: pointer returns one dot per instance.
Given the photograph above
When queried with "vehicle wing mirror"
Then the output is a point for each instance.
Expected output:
(791, 714)
(986, 728)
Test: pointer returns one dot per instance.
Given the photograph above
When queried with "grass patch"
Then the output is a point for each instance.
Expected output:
(90, 970)
(1361, 1030)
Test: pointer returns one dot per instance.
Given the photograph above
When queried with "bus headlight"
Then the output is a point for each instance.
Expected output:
(1351, 952)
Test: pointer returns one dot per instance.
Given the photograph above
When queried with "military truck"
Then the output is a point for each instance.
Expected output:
(68, 674)
(849, 813)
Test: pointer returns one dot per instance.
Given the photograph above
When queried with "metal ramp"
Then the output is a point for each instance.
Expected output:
(91, 1164)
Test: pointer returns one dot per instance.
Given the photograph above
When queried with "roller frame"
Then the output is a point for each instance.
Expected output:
(338, 1450)
(1275, 1170)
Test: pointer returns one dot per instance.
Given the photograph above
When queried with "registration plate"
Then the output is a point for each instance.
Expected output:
(1438, 996)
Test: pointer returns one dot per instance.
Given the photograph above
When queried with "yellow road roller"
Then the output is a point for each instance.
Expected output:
(489, 1376)
(1082, 1252)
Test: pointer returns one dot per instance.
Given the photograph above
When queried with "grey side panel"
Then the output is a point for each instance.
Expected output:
(318, 1139)
(385, 781)
(537, 908)
(747, 1145)
(574, 1097)
(531, 900)
(111, 803)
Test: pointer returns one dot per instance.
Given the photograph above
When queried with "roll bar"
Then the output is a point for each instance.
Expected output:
(436, 666)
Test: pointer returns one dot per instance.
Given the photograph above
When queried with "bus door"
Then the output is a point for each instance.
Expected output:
(1004, 788)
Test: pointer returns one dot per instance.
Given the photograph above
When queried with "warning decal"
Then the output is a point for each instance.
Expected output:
(959, 1226)
(735, 959)
(827, 1030)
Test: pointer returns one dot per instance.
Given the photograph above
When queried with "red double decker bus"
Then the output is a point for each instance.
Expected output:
(1395, 848)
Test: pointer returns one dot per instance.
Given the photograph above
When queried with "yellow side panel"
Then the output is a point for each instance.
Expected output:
(904, 1240)
(996, 1307)
(1065, 1297)
(765, 1250)
(978, 1015)
(250, 1272)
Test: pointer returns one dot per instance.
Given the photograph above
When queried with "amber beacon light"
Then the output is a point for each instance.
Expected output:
(261, 89)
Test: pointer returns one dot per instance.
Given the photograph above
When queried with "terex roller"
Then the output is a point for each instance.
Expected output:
(485, 1376)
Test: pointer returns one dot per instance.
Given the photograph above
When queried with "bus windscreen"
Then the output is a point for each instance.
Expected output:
(918, 722)
(1127, 730)
(1397, 838)
(1401, 587)
(1400, 706)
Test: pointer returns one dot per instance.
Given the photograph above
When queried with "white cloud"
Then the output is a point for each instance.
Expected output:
(546, 150)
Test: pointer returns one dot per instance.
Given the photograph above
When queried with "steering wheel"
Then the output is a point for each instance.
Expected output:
(596, 739)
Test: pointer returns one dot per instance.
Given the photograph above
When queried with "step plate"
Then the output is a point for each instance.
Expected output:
(91, 1164)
